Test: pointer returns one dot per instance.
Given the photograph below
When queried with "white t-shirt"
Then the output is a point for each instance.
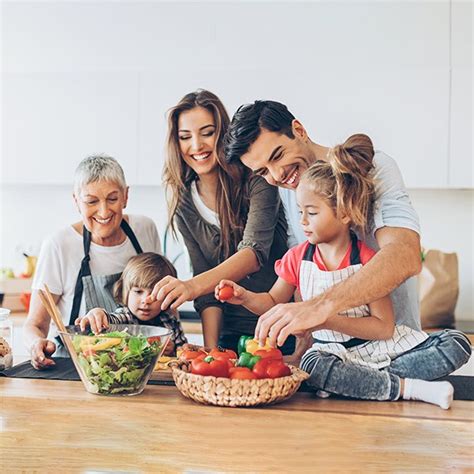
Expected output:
(61, 255)
(392, 208)
(207, 214)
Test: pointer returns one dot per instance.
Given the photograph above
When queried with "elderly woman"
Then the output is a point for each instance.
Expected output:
(81, 262)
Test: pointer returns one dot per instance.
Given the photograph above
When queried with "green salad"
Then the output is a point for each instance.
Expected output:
(116, 362)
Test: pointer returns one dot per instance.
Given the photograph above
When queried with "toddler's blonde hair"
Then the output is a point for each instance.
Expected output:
(142, 271)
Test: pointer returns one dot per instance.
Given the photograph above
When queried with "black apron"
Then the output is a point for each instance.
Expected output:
(97, 290)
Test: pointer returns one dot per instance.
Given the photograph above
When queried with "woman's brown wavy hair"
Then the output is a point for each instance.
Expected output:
(232, 199)
(345, 180)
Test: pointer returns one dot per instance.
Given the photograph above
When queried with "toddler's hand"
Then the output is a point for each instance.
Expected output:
(238, 296)
(96, 318)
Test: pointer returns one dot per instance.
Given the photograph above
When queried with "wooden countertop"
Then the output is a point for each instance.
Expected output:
(48, 425)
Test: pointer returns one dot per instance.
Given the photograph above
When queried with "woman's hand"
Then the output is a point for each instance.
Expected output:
(40, 351)
(172, 293)
(96, 318)
(239, 293)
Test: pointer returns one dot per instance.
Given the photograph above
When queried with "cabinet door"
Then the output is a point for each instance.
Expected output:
(51, 121)
(461, 152)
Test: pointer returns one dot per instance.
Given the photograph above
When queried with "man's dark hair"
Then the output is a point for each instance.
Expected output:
(248, 122)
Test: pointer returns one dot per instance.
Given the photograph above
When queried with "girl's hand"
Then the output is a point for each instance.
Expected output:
(96, 318)
(172, 293)
(238, 297)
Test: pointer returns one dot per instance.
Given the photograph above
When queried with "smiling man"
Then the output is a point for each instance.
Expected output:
(268, 139)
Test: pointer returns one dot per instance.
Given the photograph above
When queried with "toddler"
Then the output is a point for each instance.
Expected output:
(139, 277)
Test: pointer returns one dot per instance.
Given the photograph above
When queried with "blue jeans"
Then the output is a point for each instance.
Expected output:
(442, 353)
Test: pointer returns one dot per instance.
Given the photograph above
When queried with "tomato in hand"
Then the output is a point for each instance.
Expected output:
(222, 354)
(226, 293)
(241, 373)
(272, 353)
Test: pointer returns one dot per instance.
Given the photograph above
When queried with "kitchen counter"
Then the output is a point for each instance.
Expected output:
(56, 425)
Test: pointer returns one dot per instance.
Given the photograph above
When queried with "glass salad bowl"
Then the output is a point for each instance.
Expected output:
(118, 361)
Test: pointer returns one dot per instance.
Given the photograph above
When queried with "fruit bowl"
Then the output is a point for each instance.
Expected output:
(116, 362)
(228, 392)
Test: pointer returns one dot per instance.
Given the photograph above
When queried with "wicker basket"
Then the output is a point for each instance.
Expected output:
(226, 392)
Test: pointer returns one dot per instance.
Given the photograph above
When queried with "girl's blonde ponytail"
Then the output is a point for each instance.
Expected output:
(351, 163)
(345, 180)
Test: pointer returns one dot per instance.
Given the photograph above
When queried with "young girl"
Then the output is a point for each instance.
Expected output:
(141, 273)
(359, 353)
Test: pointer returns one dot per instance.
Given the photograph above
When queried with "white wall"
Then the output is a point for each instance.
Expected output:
(30, 212)
(85, 77)
(82, 77)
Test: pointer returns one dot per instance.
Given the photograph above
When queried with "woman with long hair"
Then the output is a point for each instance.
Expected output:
(233, 224)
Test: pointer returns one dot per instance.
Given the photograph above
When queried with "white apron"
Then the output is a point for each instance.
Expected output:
(374, 354)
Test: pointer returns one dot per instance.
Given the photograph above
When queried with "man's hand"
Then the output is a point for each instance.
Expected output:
(292, 318)
(40, 351)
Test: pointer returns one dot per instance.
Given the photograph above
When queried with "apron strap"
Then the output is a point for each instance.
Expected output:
(85, 270)
(85, 267)
(129, 233)
(353, 342)
(309, 253)
(355, 253)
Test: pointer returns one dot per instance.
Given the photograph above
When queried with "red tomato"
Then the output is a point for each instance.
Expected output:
(242, 373)
(88, 352)
(272, 353)
(277, 369)
(199, 367)
(216, 368)
(260, 368)
(153, 339)
(219, 368)
(219, 353)
(190, 354)
(226, 293)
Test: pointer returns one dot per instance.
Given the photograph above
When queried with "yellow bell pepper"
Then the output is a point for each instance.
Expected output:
(253, 346)
(106, 343)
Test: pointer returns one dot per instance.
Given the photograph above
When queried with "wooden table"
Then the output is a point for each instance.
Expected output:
(55, 426)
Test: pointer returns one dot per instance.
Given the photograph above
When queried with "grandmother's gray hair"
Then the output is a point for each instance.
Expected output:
(98, 168)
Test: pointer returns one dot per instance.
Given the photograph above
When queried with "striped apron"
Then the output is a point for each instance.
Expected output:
(374, 354)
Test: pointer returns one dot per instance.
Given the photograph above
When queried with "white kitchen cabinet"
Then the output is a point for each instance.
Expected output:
(461, 151)
(88, 77)
(51, 121)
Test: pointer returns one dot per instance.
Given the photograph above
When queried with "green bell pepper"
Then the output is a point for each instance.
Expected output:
(247, 360)
(242, 344)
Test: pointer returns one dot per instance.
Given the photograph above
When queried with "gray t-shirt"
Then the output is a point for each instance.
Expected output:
(392, 208)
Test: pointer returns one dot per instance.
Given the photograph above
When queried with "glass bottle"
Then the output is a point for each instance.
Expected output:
(6, 345)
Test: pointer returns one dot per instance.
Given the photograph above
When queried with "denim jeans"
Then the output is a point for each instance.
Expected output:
(442, 353)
